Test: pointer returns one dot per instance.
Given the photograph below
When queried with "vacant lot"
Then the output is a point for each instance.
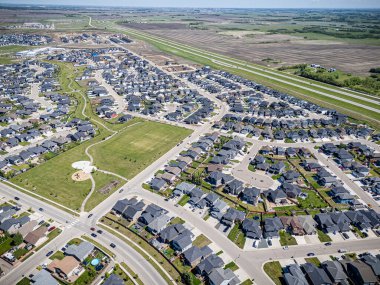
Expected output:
(130, 152)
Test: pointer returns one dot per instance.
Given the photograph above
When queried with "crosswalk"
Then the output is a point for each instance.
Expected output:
(73, 223)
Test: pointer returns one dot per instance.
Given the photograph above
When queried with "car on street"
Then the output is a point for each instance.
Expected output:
(17, 198)
(121, 190)
(41, 209)
(93, 229)
(327, 243)
(112, 245)
(94, 235)
(342, 250)
(311, 254)
(99, 231)
(90, 215)
(285, 247)
(49, 253)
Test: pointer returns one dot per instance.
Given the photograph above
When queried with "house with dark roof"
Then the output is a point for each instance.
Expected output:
(335, 271)
(325, 223)
(272, 226)
(315, 275)
(252, 229)
(250, 195)
(361, 273)
(194, 255)
(208, 264)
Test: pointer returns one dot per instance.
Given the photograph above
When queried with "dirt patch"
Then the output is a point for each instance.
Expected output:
(106, 189)
(80, 176)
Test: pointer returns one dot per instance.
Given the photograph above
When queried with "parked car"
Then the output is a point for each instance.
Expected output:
(112, 245)
(90, 215)
(342, 250)
(345, 235)
(94, 235)
(99, 231)
(41, 209)
(311, 254)
(93, 229)
(17, 198)
(49, 253)
(51, 229)
(327, 243)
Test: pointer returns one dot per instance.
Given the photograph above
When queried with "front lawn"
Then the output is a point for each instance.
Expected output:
(201, 241)
(313, 260)
(323, 237)
(274, 271)
(184, 199)
(236, 235)
(232, 265)
(287, 239)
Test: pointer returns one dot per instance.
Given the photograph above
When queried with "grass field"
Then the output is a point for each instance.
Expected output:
(133, 150)
(287, 239)
(274, 271)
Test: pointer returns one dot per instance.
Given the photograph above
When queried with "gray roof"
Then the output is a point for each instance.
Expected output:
(80, 251)
(43, 277)
(113, 279)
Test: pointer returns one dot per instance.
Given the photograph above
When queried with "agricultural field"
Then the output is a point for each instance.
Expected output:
(346, 40)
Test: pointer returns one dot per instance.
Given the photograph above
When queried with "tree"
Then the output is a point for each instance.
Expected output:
(187, 279)
(17, 239)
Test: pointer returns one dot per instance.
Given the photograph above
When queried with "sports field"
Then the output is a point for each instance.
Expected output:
(130, 152)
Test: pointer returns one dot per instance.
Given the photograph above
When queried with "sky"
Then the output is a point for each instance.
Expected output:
(211, 3)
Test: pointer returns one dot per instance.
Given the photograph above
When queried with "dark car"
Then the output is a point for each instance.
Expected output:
(99, 231)
(346, 236)
(327, 243)
(310, 254)
(93, 229)
(112, 245)
(17, 198)
(94, 235)
(90, 215)
(49, 253)
(41, 209)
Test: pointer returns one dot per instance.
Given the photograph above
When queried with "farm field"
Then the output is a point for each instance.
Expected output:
(139, 146)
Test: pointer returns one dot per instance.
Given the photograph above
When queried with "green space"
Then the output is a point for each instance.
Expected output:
(313, 260)
(236, 235)
(247, 282)
(274, 271)
(184, 199)
(287, 239)
(232, 265)
(133, 150)
(323, 237)
(201, 241)
(57, 255)
(369, 84)
(131, 273)
(24, 281)
(119, 272)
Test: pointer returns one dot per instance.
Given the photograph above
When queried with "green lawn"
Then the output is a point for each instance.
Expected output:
(312, 201)
(323, 237)
(232, 265)
(237, 236)
(5, 245)
(274, 271)
(184, 199)
(133, 150)
(57, 255)
(287, 239)
(23, 281)
(201, 241)
(313, 260)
